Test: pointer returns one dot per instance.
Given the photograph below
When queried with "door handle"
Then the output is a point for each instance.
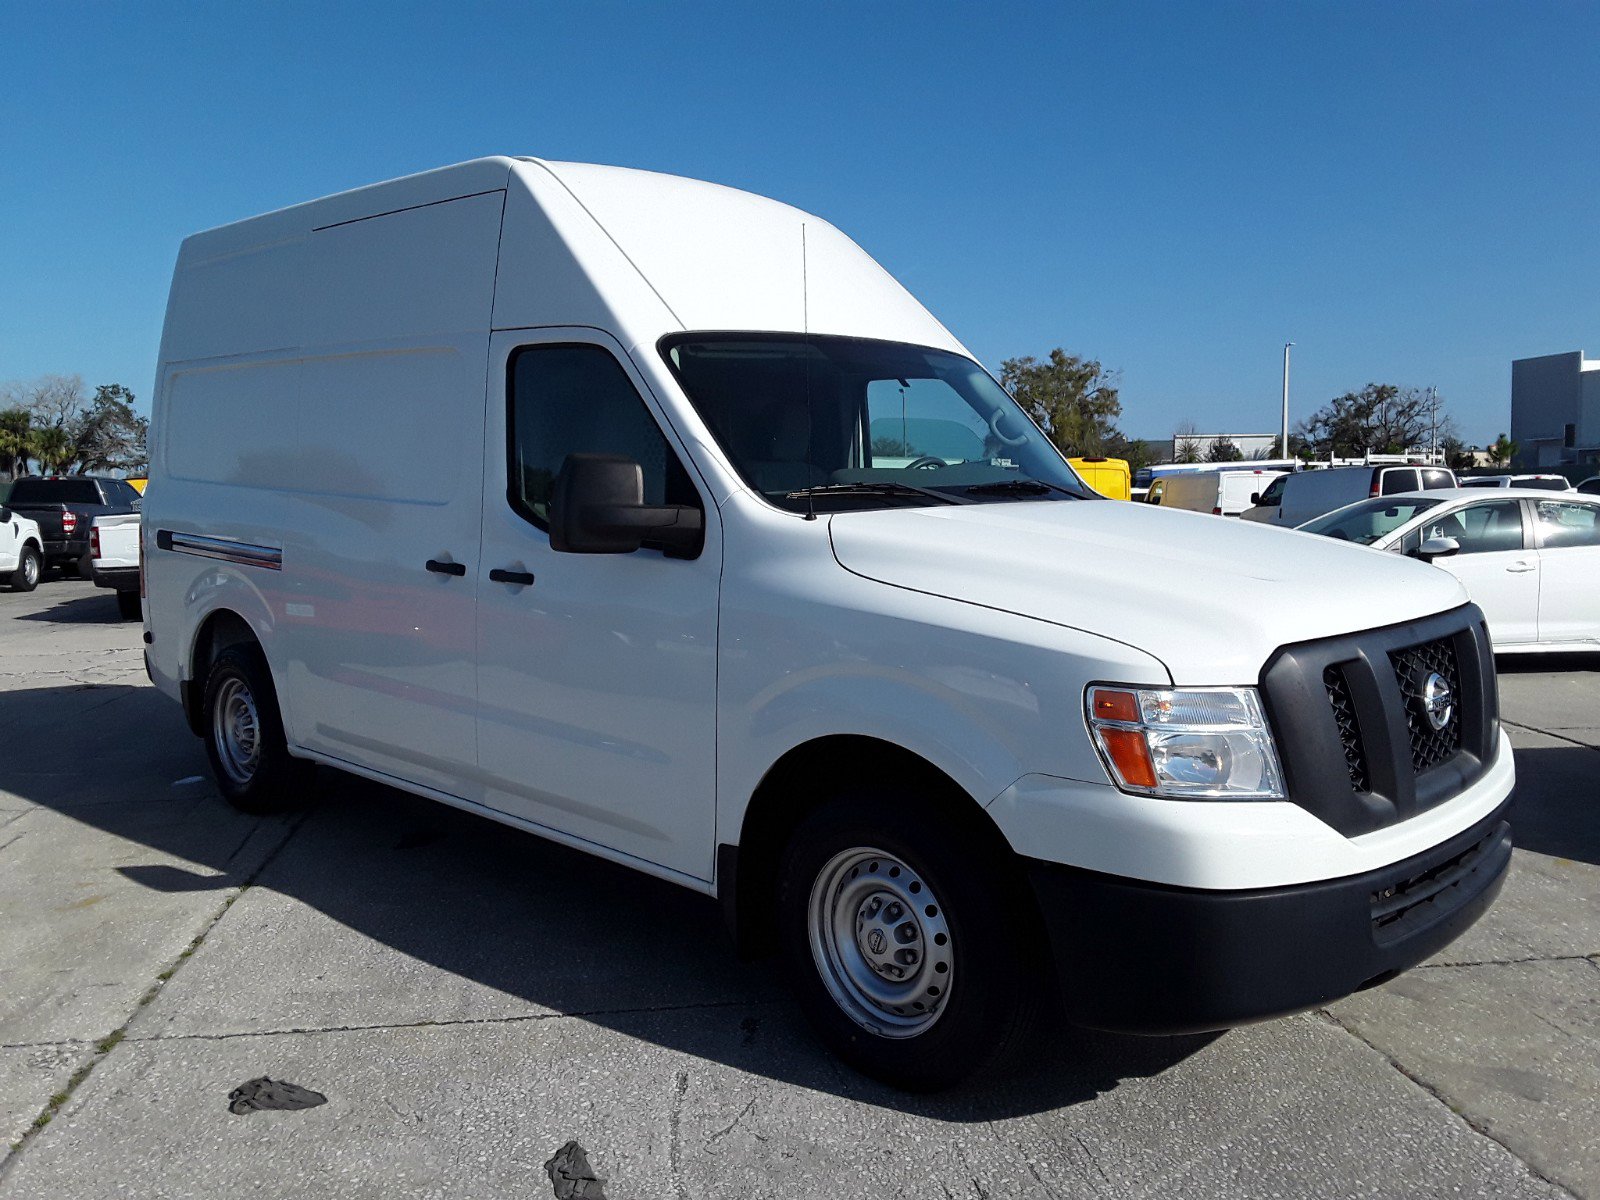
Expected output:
(446, 568)
(1520, 568)
(501, 575)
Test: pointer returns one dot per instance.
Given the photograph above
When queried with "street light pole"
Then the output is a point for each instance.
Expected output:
(1284, 445)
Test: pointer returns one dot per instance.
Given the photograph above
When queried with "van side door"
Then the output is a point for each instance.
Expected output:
(597, 673)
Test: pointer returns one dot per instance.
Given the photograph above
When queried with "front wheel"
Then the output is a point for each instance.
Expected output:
(30, 568)
(910, 942)
(244, 736)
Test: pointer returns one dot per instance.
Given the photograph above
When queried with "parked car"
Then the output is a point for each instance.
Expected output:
(114, 559)
(1589, 486)
(1108, 476)
(1308, 494)
(1221, 493)
(65, 506)
(1539, 483)
(21, 551)
(1531, 563)
(951, 734)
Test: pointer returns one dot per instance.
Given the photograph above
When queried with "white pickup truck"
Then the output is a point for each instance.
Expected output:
(21, 551)
(114, 559)
(657, 519)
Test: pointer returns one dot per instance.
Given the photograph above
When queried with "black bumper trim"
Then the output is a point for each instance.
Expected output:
(1138, 957)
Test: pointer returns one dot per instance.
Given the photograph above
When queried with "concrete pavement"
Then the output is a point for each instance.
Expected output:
(469, 998)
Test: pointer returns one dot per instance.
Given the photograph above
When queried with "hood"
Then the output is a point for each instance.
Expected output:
(1211, 597)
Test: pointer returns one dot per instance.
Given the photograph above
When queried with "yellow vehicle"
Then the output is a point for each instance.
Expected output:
(1108, 476)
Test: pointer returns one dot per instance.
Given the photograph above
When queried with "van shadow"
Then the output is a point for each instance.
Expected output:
(501, 910)
(1556, 809)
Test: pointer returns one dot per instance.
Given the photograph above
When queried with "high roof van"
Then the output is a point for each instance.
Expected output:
(657, 519)
(1308, 494)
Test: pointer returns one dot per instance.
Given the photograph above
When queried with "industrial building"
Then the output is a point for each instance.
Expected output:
(1555, 410)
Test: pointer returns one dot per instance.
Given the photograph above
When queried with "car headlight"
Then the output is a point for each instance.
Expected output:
(1186, 743)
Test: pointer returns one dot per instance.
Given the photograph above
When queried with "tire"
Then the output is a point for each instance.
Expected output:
(243, 732)
(30, 569)
(129, 607)
(976, 981)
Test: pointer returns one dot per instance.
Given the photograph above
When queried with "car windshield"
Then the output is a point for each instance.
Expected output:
(820, 422)
(1370, 520)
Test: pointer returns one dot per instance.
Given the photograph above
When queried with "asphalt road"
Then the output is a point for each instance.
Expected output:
(469, 998)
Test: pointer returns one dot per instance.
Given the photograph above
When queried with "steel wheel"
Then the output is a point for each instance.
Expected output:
(881, 942)
(236, 731)
(30, 570)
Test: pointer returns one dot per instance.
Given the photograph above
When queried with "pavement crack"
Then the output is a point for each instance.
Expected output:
(1550, 733)
(731, 1125)
(1476, 1126)
(680, 1089)
(517, 1018)
(1508, 962)
(104, 1046)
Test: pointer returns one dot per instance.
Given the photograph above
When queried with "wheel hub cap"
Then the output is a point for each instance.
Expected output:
(880, 942)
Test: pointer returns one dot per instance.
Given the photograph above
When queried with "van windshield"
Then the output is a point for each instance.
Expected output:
(816, 422)
(1369, 520)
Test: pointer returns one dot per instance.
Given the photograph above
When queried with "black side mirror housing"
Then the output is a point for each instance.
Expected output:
(597, 507)
(5, 514)
(1255, 498)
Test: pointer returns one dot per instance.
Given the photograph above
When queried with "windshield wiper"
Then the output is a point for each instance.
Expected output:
(1017, 487)
(867, 489)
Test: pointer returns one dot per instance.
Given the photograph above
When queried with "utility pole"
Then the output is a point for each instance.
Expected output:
(1284, 447)
(1433, 421)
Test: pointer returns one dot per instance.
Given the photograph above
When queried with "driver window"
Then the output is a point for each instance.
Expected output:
(911, 419)
(1486, 528)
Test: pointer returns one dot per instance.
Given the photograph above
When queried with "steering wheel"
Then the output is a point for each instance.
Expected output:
(923, 462)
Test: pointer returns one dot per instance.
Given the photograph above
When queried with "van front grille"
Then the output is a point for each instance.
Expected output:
(1413, 668)
(1344, 714)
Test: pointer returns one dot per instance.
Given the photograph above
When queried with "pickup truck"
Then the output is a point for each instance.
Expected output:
(65, 506)
(114, 559)
(21, 551)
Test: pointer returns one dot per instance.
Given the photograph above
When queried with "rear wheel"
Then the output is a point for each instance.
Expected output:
(128, 606)
(910, 942)
(244, 735)
(30, 568)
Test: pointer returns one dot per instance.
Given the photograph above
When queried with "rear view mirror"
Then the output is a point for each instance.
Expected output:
(597, 507)
(1437, 547)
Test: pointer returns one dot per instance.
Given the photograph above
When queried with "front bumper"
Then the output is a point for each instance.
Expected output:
(1139, 957)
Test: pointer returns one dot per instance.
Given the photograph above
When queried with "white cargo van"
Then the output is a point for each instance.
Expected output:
(657, 519)
(1220, 493)
(1308, 494)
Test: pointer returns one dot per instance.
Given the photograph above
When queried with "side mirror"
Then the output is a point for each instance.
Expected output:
(1437, 547)
(5, 514)
(1255, 498)
(597, 507)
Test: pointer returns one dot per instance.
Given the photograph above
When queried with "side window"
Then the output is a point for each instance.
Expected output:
(1485, 528)
(922, 418)
(577, 399)
(1563, 524)
(1403, 479)
(1274, 493)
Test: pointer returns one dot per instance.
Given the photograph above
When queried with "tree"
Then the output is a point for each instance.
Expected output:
(1185, 444)
(109, 434)
(1381, 417)
(1137, 452)
(55, 450)
(1074, 400)
(1458, 455)
(1223, 450)
(16, 440)
(1502, 451)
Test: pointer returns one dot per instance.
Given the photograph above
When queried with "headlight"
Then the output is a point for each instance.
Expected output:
(1199, 743)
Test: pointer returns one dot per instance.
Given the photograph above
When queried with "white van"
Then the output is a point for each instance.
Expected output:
(655, 518)
(1220, 493)
(1299, 497)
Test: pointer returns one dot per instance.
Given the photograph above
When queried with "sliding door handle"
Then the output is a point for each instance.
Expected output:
(521, 578)
(446, 568)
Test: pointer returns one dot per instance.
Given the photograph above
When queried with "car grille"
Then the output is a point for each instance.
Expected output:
(1344, 714)
(1412, 669)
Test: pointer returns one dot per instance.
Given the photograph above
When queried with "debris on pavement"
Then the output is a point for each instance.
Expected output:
(265, 1093)
(571, 1175)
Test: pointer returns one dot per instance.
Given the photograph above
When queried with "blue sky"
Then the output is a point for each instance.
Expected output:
(1410, 192)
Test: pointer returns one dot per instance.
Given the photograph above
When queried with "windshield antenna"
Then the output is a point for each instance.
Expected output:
(811, 506)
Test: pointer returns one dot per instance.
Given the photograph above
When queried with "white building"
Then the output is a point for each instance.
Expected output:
(1249, 444)
(1555, 409)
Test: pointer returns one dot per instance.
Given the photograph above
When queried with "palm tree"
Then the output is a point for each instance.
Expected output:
(1502, 451)
(54, 448)
(15, 440)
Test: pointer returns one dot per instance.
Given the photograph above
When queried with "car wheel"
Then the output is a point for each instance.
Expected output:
(128, 606)
(244, 736)
(912, 945)
(30, 568)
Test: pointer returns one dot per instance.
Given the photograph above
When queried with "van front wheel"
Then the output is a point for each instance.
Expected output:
(244, 736)
(908, 943)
